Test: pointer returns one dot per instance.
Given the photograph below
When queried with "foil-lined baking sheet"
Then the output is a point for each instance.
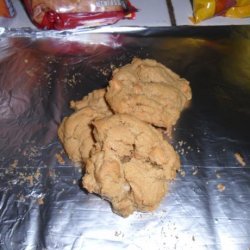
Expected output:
(42, 205)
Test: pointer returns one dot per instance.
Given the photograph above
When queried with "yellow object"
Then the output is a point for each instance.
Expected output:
(205, 9)
(239, 11)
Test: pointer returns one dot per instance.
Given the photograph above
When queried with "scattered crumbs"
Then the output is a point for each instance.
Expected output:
(112, 67)
(105, 71)
(40, 201)
(221, 187)
(240, 159)
(32, 152)
(30, 179)
(14, 164)
(181, 151)
(59, 158)
(182, 172)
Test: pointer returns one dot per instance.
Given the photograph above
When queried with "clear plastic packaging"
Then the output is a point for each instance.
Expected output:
(67, 14)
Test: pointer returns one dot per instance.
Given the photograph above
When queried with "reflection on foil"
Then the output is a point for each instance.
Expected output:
(41, 203)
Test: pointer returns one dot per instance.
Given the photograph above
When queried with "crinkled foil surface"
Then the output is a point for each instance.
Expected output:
(41, 203)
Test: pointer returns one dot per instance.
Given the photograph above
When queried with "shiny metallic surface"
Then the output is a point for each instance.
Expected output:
(42, 205)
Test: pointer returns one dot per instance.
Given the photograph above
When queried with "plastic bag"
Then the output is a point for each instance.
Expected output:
(205, 9)
(241, 9)
(67, 14)
(6, 8)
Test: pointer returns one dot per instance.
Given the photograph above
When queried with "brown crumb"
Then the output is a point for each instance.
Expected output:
(30, 179)
(37, 174)
(182, 172)
(221, 187)
(14, 164)
(240, 159)
(40, 201)
(60, 159)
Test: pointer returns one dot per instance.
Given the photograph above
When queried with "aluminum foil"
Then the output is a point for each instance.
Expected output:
(42, 205)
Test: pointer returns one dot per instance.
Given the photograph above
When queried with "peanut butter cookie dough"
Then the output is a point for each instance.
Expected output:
(117, 135)
(149, 91)
(75, 131)
(130, 164)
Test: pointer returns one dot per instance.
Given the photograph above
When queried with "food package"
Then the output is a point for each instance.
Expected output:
(205, 9)
(67, 14)
(241, 9)
(6, 8)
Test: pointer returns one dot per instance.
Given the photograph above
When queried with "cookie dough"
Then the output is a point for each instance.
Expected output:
(75, 131)
(94, 99)
(130, 164)
(149, 91)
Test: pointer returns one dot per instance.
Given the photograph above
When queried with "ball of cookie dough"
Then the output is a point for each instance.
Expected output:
(130, 164)
(149, 91)
(75, 131)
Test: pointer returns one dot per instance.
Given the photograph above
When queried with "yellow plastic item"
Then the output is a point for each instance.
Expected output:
(241, 10)
(205, 9)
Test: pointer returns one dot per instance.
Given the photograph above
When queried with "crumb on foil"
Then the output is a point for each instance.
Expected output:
(221, 187)
(59, 158)
(240, 159)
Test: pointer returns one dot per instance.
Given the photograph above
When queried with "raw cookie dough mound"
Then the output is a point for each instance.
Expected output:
(130, 164)
(151, 71)
(149, 91)
(75, 131)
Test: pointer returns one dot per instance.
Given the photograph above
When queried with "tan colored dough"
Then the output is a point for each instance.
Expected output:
(75, 131)
(130, 164)
(94, 99)
(149, 91)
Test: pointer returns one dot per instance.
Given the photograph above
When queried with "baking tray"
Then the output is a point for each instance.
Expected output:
(42, 205)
